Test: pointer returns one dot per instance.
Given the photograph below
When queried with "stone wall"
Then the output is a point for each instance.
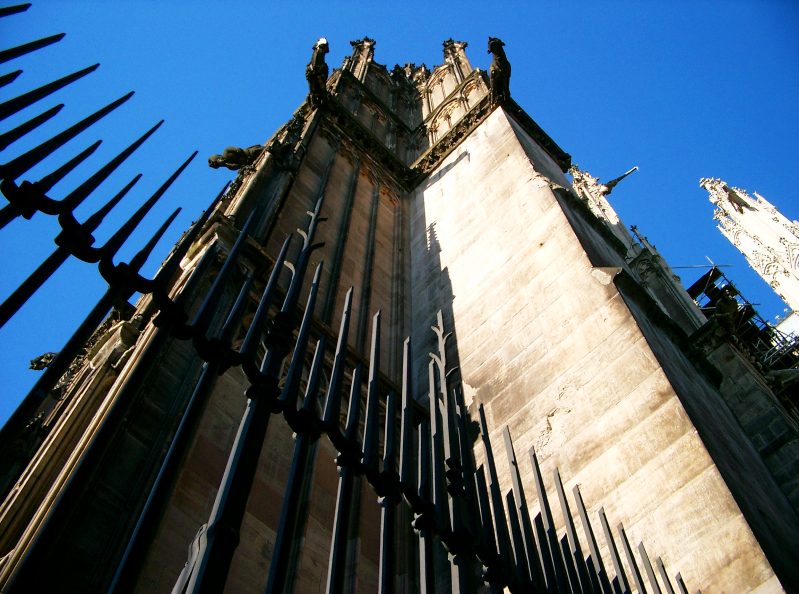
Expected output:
(551, 348)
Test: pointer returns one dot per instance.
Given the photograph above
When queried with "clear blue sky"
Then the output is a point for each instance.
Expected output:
(682, 89)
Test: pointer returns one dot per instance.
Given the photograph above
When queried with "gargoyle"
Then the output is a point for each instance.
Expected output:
(727, 311)
(316, 73)
(235, 158)
(499, 72)
(42, 361)
(737, 201)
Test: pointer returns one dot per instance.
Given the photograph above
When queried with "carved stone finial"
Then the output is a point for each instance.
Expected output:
(363, 42)
(499, 72)
(453, 45)
(235, 158)
(316, 73)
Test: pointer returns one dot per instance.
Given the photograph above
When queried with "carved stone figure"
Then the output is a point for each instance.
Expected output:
(783, 377)
(499, 72)
(316, 73)
(235, 158)
(726, 313)
(42, 361)
(738, 203)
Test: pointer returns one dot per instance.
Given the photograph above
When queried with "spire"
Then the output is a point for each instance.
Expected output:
(363, 52)
(767, 239)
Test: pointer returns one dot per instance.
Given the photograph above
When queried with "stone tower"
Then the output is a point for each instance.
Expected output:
(768, 240)
(442, 203)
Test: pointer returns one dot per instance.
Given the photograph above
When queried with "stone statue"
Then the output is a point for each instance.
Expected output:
(316, 73)
(42, 361)
(726, 313)
(499, 72)
(738, 203)
(235, 158)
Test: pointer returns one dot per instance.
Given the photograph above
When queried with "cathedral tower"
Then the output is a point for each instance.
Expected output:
(768, 240)
(212, 437)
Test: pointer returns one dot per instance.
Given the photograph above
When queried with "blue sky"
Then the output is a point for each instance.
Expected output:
(682, 89)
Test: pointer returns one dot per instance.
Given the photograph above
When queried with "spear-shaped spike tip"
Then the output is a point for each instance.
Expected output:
(21, 50)
(94, 221)
(48, 181)
(10, 137)
(116, 240)
(12, 106)
(79, 194)
(16, 167)
(141, 257)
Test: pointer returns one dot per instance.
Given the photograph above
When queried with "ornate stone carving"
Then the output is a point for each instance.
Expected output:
(42, 361)
(235, 158)
(499, 72)
(316, 73)
(726, 312)
(763, 235)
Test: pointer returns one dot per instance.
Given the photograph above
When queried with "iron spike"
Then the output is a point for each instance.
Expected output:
(287, 401)
(39, 276)
(12, 106)
(371, 431)
(9, 10)
(79, 194)
(147, 521)
(333, 400)
(664, 576)
(549, 525)
(253, 336)
(596, 558)
(354, 408)
(347, 455)
(10, 137)
(488, 545)
(422, 520)
(30, 285)
(650, 571)
(224, 524)
(172, 314)
(48, 181)
(521, 568)
(624, 583)
(497, 504)
(529, 550)
(202, 319)
(94, 220)
(26, 48)
(173, 261)
(390, 438)
(117, 239)
(681, 584)
(141, 257)
(438, 487)
(387, 501)
(7, 79)
(406, 427)
(628, 552)
(310, 402)
(16, 167)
